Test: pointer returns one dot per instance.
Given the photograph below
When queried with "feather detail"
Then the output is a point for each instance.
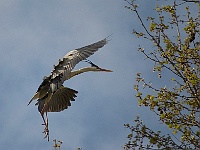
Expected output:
(59, 101)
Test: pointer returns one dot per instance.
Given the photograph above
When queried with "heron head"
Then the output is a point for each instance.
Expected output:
(97, 68)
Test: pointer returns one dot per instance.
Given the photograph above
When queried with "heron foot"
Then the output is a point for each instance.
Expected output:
(46, 131)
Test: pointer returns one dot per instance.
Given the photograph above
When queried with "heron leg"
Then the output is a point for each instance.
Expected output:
(43, 120)
(46, 130)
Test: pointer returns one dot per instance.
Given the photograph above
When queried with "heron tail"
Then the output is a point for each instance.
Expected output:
(34, 97)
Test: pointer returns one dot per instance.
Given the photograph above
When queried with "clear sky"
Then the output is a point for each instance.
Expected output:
(34, 34)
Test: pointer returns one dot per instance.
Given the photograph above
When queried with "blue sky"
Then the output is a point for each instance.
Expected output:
(33, 36)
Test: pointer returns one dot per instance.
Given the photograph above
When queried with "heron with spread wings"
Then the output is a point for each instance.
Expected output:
(52, 95)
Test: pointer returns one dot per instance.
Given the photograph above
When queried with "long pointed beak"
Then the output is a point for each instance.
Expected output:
(105, 70)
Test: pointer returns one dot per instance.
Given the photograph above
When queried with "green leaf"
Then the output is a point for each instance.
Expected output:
(130, 135)
(138, 94)
(152, 26)
(153, 140)
(170, 125)
(162, 116)
(174, 132)
(140, 102)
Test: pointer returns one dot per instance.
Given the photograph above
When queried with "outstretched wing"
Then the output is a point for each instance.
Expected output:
(69, 61)
(60, 100)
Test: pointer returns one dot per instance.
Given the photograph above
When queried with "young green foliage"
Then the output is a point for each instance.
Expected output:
(177, 106)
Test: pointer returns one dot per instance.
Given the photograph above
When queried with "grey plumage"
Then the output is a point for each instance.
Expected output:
(62, 71)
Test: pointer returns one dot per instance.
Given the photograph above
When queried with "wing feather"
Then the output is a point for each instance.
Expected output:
(60, 100)
(69, 61)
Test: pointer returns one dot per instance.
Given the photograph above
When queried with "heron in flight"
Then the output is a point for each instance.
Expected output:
(52, 95)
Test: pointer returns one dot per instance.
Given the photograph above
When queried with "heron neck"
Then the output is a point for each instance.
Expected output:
(79, 71)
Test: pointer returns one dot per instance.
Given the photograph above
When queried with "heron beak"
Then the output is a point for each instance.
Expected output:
(105, 70)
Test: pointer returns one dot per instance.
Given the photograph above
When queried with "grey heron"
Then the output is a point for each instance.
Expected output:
(52, 95)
